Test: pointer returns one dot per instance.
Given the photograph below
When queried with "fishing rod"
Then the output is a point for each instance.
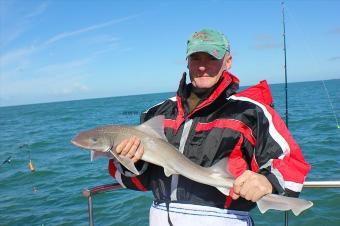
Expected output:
(285, 61)
(286, 85)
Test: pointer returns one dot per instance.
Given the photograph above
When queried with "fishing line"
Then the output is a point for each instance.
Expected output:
(316, 62)
(330, 102)
(32, 168)
(8, 160)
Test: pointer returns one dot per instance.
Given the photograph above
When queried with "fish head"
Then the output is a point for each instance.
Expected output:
(93, 139)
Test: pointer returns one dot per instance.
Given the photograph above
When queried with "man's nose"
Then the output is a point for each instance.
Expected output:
(201, 68)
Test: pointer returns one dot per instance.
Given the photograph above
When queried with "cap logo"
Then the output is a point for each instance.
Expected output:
(201, 35)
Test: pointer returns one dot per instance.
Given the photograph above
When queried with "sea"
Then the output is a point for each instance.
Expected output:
(52, 194)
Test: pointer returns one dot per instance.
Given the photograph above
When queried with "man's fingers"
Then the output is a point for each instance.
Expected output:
(127, 146)
(138, 155)
(256, 196)
(121, 146)
(251, 186)
(245, 191)
(134, 148)
(238, 183)
(130, 147)
(235, 196)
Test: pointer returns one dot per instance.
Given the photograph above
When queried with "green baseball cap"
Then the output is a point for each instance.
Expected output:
(208, 41)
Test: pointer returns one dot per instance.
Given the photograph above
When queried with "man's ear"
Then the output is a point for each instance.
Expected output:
(229, 62)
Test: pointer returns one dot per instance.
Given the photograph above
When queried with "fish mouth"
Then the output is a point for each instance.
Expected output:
(76, 143)
(83, 145)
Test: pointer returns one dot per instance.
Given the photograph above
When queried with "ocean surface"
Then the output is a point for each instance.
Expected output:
(52, 195)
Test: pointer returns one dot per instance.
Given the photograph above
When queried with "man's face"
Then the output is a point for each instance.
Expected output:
(205, 70)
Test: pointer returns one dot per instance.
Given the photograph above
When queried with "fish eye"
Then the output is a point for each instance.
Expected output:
(93, 139)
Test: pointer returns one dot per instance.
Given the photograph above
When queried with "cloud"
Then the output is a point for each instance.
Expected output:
(334, 31)
(336, 58)
(15, 56)
(64, 35)
(38, 10)
(106, 39)
(51, 75)
(264, 46)
(16, 19)
(24, 80)
(5, 8)
(44, 89)
(44, 86)
(73, 88)
(264, 42)
(18, 55)
(180, 62)
(60, 68)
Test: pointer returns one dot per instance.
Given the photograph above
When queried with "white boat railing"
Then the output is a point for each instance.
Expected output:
(322, 184)
(89, 192)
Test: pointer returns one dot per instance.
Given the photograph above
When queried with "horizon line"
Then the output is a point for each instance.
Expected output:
(138, 94)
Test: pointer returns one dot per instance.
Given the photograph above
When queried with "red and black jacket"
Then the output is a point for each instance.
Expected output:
(242, 126)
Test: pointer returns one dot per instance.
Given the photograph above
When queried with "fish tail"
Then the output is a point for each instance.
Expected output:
(284, 203)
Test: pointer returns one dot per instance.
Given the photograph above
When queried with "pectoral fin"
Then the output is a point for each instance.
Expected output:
(168, 172)
(97, 154)
(224, 190)
(126, 162)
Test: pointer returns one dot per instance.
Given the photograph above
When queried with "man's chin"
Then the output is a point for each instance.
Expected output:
(204, 82)
(204, 85)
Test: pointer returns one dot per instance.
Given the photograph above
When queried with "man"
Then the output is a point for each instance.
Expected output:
(208, 121)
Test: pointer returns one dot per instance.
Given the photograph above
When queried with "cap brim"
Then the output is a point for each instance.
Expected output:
(206, 49)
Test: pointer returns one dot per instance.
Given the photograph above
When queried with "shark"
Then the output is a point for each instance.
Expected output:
(157, 150)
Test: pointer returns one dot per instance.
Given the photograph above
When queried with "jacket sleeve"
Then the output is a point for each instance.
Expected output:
(277, 155)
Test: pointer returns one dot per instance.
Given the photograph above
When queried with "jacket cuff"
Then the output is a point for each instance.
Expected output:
(277, 188)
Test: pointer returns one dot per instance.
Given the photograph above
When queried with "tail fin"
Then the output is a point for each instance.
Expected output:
(279, 202)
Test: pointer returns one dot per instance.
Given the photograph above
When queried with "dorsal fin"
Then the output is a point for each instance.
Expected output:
(153, 127)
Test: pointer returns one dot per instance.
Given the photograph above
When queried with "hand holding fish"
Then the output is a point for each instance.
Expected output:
(251, 186)
(131, 148)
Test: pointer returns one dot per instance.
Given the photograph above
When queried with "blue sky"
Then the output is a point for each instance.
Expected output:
(66, 50)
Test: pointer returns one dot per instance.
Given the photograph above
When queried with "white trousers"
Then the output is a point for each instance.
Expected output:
(189, 215)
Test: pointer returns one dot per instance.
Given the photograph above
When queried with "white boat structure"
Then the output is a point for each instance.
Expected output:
(90, 192)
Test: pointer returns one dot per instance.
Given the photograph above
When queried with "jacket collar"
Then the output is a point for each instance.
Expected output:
(227, 86)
